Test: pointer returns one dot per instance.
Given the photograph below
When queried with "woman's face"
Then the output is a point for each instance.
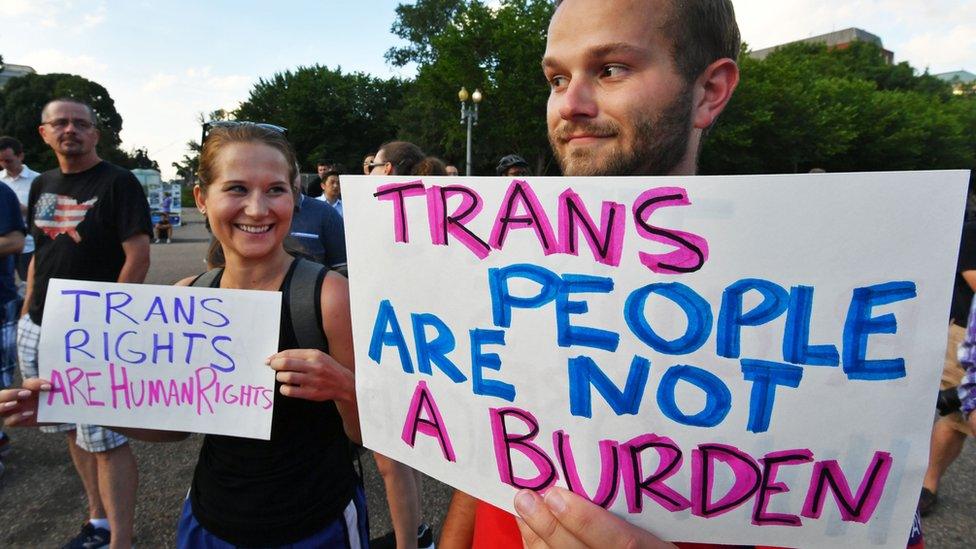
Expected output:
(249, 204)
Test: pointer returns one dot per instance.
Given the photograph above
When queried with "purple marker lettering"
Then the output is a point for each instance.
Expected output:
(432, 425)
(606, 241)
(397, 193)
(111, 307)
(636, 485)
(692, 250)
(857, 508)
(769, 487)
(744, 470)
(78, 294)
(442, 224)
(505, 442)
(606, 491)
(520, 193)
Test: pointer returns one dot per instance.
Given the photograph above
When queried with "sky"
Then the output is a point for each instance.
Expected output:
(165, 63)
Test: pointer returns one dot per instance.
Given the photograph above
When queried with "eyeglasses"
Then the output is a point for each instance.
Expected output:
(373, 165)
(61, 123)
(207, 126)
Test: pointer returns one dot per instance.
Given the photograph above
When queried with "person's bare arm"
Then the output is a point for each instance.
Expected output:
(11, 243)
(970, 278)
(458, 529)
(136, 266)
(29, 286)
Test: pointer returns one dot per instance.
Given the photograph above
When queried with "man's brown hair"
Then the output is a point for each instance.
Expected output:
(701, 32)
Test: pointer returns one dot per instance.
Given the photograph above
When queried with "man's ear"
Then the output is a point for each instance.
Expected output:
(713, 89)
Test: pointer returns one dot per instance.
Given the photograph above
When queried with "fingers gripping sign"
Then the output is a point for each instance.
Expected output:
(564, 519)
(312, 375)
(18, 406)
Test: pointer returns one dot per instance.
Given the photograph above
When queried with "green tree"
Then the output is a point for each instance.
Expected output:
(22, 99)
(807, 106)
(495, 49)
(328, 114)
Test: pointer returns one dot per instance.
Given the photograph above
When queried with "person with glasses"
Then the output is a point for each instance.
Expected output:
(90, 221)
(402, 483)
(366, 162)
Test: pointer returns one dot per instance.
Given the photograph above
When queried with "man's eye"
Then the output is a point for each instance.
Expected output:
(280, 189)
(558, 81)
(611, 71)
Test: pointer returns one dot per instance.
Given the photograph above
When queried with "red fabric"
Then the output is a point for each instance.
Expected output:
(496, 529)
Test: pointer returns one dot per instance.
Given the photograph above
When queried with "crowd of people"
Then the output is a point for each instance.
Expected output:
(635, 85)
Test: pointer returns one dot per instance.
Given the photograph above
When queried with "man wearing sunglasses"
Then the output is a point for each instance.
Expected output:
(90, 221)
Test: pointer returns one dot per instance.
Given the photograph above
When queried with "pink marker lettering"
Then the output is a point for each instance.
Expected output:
(745, 471)
(432, 425)
(692, 250)
(636, 486)
(397, 194)
(520, 194)
(858, 508)
(505, 442)
(606, 241)
(769, 487)
(58, 388)
(206, 378)
(117, 386)
(442, 224)
(606, 491)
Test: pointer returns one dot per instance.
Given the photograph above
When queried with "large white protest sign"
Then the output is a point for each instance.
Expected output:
(730, 359)
(159, 357)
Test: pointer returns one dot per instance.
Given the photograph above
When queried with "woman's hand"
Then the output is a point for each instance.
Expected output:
(563, 519)
(18, 406)
(313, 375)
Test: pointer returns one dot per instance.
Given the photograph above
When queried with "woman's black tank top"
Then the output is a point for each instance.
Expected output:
(258, 493)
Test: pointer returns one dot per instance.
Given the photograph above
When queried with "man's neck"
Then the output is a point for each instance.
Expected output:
(15, 174)
(77, 164)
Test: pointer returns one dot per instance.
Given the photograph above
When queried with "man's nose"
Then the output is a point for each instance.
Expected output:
(579, 100)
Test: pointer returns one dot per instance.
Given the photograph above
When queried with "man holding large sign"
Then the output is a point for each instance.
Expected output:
(708, 394)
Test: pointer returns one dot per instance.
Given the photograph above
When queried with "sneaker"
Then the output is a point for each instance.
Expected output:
(167, 241)
(156, 241)
(425, 537)
(927, 501)
(4, 443)
(89, 538)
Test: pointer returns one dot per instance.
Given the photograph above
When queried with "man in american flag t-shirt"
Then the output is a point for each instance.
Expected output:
(90, 221)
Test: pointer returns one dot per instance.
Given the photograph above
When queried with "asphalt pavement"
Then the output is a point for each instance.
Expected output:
(42, 503)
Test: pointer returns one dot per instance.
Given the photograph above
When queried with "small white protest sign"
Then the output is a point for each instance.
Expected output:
(173, 358)
(745, 360)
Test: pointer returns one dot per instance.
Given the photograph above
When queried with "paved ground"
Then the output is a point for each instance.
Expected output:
(42, 502)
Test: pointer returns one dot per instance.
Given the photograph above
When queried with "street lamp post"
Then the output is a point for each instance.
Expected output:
(469, 114)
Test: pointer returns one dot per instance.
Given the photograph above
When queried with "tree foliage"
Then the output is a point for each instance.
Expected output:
(22, 99)
(328, 114)
(495, 49)
(807, 106)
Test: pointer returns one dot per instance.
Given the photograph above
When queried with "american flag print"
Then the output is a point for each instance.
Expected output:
(57, 214)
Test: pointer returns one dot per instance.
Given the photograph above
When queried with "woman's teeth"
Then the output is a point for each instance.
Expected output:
(254, 228)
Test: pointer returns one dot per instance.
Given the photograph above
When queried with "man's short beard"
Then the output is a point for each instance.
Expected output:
(659, 145)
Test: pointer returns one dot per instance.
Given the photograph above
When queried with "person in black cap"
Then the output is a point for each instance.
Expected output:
(512, 165)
